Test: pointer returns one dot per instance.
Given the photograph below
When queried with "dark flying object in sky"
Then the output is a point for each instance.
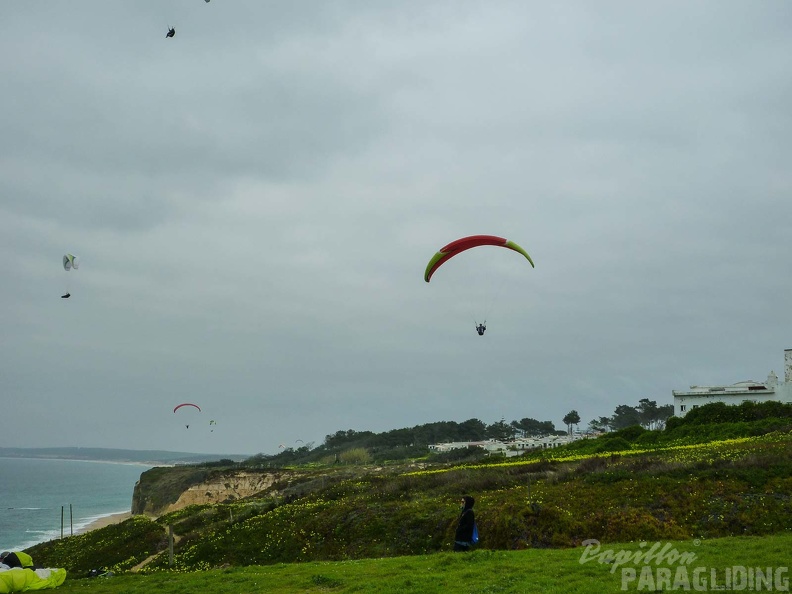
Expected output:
(171, 32)
(70, 262)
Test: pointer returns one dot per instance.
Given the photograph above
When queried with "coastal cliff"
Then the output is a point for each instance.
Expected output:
(162, 490)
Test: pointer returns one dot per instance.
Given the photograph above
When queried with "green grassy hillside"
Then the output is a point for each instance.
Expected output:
(551, 499)
(717, 485)
(705, 567)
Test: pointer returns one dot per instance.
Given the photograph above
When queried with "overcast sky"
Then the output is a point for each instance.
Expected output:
(254, 202)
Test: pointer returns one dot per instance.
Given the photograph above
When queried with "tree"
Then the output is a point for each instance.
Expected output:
(600, 425)
(571, 418)
(533, 428)
(663, 414)
(341, 437)
(625, 416)
(472, 430)
(501, 431)
(647, 412)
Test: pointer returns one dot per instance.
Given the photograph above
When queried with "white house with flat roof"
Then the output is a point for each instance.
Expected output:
(514, 447)
(770, 389)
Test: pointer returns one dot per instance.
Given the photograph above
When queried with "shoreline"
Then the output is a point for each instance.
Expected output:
(57, 459)
(104, 521)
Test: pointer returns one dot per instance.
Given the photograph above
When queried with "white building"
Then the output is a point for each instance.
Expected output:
(508, 448)
(542, 443)
(771, 389)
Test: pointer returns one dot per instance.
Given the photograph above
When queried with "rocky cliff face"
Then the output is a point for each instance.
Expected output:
(163, 490)
(225, 489)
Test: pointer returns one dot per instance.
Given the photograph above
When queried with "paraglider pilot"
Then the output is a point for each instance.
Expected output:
(171, 32)
(16, 559)
(481, 328)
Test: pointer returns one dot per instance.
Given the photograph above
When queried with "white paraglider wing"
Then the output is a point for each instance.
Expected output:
(70, 261)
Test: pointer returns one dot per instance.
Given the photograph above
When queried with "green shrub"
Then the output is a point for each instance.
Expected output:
(628, 433)
(467, 454)
(117, 547)
(355, 456)
(614, 444)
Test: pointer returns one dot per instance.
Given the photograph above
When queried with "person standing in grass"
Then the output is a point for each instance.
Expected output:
(463, 538)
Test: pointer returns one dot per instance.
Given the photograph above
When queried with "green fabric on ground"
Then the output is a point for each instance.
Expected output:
(28, 580)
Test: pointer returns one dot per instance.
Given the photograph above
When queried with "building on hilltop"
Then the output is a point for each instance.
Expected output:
(510, 448)
(748, 391)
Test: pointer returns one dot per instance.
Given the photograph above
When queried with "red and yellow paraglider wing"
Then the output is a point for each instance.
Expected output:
(465, 243)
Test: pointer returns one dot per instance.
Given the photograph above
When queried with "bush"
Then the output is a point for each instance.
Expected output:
(720, 412)
(628, 433)
(614, 444)
(117, 547)
(355, 456)
(467, 454)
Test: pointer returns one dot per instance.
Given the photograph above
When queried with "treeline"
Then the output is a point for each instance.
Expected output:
(395, 444)
(647, 415)
(442, 432)
(647, 423)
(351, 446)
(720, 412)
(711, 422)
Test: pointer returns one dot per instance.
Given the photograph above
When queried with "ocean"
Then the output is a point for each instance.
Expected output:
(33, 491)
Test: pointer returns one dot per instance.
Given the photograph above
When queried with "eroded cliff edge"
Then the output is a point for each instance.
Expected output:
(164, 489)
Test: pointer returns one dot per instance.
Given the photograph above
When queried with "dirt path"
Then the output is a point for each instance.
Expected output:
(147, 560)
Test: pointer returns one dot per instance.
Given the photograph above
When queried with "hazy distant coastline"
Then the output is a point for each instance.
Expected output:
(140, 457)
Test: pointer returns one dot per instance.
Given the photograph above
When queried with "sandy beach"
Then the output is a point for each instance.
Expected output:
(105, 521)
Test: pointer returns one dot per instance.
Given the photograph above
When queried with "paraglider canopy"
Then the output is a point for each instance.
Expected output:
(178, 406)
(70, 261)
(188, 406)
(465, 243)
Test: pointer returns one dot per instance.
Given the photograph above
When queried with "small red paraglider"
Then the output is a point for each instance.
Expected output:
(183, 404)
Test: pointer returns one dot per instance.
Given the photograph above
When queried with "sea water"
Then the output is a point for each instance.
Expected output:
(36, 493)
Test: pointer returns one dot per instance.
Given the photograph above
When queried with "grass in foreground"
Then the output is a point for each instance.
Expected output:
(550, 571)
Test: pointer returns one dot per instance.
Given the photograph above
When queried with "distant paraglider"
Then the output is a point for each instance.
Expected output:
(70, 261)
(187, 404)
(465, 243)
(171, 32)
(178, 406)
